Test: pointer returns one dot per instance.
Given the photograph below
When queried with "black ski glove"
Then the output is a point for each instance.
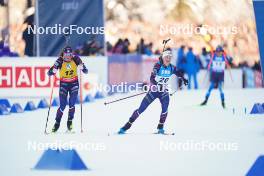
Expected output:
(185, 81)
(51, 71)
(84, 69)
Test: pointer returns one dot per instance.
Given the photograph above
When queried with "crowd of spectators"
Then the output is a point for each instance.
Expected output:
(122, 46)
(187, 61)
(5, 50)
(89, 48)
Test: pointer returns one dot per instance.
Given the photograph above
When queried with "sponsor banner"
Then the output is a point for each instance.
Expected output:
(28, 76)
(124, 68)
(258, 79)
(249, 78)
(83, 20)
(147, 66)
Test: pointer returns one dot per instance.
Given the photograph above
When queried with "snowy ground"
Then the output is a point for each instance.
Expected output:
(140, 152)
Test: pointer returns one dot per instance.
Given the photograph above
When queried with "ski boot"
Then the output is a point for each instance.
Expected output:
(69, 125)
(161, 131)
(125, 128)
(223, 104)
(204, 102)
(121, 131)
(55, 127)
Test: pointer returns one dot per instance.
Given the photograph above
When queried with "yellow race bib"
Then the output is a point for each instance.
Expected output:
(68, 71)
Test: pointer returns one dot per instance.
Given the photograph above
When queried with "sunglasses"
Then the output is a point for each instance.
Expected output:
(67, 54)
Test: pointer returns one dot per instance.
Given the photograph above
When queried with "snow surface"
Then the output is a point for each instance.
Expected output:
(140, 152)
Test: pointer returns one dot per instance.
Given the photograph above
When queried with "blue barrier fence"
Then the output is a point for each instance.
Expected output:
(6, 108)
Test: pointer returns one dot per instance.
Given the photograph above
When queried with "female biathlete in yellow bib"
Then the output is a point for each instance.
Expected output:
(67, 63)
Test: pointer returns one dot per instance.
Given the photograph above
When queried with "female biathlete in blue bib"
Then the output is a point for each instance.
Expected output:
(159, 79)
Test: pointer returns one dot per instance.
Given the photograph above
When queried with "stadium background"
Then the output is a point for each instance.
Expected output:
(132, 39)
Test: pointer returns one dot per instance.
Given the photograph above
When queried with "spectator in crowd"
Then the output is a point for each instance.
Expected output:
(204, 58)
(157, 52)
(79, 50)
(1, 48)
(28, 37)
(118, 47)
(257, 66)
(192, 68)
(121, 47)
(141, 47)
(180, 63)
(5, 51)
(148, 49)
(91, 47)
(243, 64)
(181, 59)
(109, 46)
(125, 47)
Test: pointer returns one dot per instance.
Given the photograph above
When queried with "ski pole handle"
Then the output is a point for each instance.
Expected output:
(165, 42)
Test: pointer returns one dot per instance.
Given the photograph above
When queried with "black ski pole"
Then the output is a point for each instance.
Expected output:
(106, 103)
(81, 100)
(51, 94)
